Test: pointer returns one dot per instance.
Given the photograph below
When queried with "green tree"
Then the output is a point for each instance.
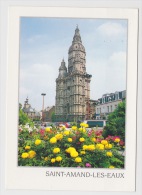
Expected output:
(116, 122)
(23, 118)
(53, 118)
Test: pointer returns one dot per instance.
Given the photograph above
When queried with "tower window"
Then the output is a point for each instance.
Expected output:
(107, 108)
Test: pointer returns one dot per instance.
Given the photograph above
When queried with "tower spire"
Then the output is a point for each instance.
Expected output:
(77, 37)
(62, 69)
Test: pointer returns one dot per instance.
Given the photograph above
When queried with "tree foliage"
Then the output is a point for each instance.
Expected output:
(23, 118)
(53, 118)
(116, 122)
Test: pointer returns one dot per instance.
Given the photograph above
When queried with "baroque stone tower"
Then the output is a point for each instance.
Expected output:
(73, 85)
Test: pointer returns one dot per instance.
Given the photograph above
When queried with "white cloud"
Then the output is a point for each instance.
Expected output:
(111, 29)
(108, 75)
(36, 79)
(118, 58)
(34, 38)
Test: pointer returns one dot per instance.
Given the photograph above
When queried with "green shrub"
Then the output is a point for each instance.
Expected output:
(116, 122)
(24, 119)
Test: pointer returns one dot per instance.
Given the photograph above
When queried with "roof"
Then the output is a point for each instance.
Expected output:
(49, 108)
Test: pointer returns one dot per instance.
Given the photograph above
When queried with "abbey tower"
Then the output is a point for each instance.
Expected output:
(73, 85)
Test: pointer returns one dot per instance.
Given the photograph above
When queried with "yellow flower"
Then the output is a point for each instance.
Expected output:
(94, 139)
(31, 154)
(25, 155)
(47, 129)
(78, 159)
(69, 139)
(27, 147)
(117, 140)
(46, 158)
(53, 160)
(111, 167)
(82, 152)
(109, 154)
(66, 132)
(85, 147)
(84, 130)
(37, 142)
(100, 146)
(80, 129)
(70, 149)
(59, 136)
(91, 147)
(53, 140)
(104, 142)
(82, 124)
(86, 125)
(108, 146)
(74, 127)
(63, 128)
(58, 158)
(56, 150)
(82, 139)
(74, 154)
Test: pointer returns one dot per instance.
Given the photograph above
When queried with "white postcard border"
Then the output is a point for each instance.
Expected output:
(43, 182)
(134, 4)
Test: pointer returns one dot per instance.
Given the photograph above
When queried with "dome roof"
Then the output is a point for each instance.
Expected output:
(77, 47)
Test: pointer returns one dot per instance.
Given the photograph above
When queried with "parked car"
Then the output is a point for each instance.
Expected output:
(96, 123)
(67, 124)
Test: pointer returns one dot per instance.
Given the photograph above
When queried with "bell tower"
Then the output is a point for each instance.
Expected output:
(76, 54)
(73, 84)
(60, 89)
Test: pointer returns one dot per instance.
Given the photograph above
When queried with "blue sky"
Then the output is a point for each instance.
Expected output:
(44, 42)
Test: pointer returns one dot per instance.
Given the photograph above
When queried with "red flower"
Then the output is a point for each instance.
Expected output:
(98, 133)
(121, 143)
(42, 131)
(98, 140)
(115, 137)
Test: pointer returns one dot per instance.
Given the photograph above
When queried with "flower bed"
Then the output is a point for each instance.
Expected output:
(76, 147)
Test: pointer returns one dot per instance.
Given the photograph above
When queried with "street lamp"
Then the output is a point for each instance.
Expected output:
(43, 94)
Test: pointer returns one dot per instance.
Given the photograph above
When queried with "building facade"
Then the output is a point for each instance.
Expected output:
(48, 112)
(31, 112)
(92, 106)
(73, 84)
(108, 103)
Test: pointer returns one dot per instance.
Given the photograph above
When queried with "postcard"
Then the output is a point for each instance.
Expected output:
(72, 78)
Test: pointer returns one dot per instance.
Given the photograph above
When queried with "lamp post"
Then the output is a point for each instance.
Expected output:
(43, 94)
